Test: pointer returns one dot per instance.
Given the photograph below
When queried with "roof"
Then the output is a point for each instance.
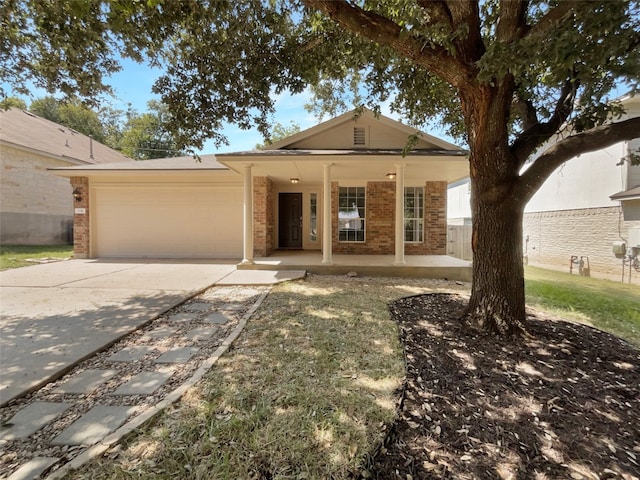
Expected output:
(172, 164)
(363, 117)
(631, 194)
(25, 130)
(333, 142)
(366, 152)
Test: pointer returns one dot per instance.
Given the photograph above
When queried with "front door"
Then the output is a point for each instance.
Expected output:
(290, 220)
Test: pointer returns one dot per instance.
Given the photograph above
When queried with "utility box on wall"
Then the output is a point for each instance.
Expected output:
(619, 249)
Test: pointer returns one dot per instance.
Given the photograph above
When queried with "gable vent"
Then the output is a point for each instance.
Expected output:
(359, 136)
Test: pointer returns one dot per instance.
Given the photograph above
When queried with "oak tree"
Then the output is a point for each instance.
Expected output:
(518, 80)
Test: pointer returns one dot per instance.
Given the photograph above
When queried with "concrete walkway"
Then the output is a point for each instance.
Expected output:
(53, 316)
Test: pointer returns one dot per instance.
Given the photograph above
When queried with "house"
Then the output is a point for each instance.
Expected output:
(36, 207)
(331, 189)
(582, 209)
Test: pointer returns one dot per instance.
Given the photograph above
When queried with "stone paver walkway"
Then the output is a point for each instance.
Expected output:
(69, 421)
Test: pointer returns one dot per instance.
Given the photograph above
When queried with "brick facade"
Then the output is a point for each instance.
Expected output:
(435, 220)
(553, 237)
(380, 221)
(263, 217)
(81, 230)
(35, 205)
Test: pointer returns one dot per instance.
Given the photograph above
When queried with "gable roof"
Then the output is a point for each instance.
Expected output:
(358, 145)
(27, 131)
(379, 133)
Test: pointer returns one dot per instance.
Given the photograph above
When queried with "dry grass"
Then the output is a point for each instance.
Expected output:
(307, 392)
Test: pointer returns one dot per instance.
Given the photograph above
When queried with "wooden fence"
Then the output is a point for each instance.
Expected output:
(459, 241)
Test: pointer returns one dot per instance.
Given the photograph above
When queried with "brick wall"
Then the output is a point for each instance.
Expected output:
(81, 231)
(263, 217)
(380, 221)
(36, 206)
(555, 236)
(435, 219)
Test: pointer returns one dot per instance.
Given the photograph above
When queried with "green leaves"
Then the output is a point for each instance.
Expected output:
(225, 61)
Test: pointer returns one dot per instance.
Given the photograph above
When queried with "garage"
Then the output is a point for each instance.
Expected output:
(167, 221)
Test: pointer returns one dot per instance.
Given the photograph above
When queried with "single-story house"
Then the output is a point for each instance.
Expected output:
(36, 207)
(331, 188)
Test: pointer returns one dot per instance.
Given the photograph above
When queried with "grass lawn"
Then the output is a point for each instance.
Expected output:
(14, 256)
(610, 306)
(310, 387)
(306, 392)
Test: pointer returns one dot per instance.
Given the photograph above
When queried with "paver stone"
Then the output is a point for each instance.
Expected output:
(94, 425)
(86, 382)
(32, 418)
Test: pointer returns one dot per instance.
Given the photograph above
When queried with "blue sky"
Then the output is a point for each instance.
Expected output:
(132, 85)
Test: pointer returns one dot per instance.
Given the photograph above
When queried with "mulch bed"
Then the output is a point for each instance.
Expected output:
(563, 403)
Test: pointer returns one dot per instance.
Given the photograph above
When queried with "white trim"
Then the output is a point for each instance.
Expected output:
(247, 212)
(399, 215)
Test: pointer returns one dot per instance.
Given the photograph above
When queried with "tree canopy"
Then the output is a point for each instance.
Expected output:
(507, 76)
(146, 136)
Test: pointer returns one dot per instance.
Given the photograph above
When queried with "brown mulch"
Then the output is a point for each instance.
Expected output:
(563, 403)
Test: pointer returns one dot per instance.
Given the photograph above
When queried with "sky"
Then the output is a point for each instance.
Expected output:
(132, 86)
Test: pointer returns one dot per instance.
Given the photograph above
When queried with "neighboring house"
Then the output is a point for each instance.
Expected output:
(36, 207)
(331, 188)
(584, 207)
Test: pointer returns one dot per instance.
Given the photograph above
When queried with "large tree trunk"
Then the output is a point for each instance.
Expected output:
(497, 294)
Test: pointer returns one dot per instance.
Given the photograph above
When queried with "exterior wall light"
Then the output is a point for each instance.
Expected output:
(77, 195)
(391, 175)
(294, 180)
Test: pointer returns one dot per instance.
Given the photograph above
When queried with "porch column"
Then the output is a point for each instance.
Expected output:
(327, 230)
(399, 214)
(247, 230)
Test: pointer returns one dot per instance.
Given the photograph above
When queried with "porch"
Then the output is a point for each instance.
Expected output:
(417, 266)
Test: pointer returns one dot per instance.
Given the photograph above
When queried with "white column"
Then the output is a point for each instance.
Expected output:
(327, 258)
(399, 214)
(247, 217)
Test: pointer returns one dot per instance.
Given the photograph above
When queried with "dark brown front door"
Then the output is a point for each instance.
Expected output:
(290, 220)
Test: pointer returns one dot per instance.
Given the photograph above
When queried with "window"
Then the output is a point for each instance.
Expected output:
(351, 214)
(413, 214)
(313, 228)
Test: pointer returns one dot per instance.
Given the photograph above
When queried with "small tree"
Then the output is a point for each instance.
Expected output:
(70, 113)
(147, 136)
(278, 132)
(12, 102)
(506, 75)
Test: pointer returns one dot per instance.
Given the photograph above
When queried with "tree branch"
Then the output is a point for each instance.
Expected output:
(466, 14)
(538, 133)
(549, 21)
(512, 22)
(525, 111)
(595, 139)
(379, 29)
(437, 12)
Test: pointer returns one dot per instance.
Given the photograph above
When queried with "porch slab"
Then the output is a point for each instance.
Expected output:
(416, 266)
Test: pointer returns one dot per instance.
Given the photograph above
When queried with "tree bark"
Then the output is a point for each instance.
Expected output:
(497, 300)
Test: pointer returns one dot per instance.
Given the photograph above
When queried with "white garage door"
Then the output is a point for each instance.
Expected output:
(197, 221)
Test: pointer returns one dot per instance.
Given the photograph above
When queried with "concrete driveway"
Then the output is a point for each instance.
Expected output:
(52, 316)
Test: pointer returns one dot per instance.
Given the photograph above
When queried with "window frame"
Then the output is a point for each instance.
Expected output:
(415, 217)
(347, 195)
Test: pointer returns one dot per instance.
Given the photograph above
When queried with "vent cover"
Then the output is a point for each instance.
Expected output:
(359, 136)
